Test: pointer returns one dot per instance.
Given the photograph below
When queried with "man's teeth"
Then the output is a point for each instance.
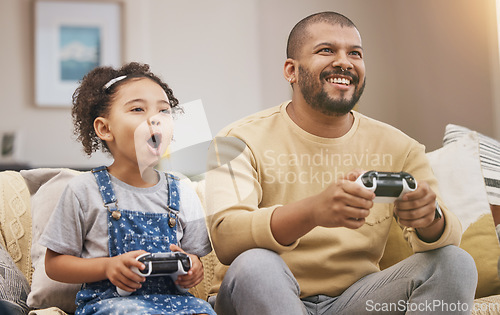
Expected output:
(339, 81)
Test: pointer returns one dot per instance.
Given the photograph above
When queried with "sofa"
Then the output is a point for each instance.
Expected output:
(469, 183)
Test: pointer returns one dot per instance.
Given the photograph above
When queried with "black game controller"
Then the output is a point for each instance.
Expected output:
(388, 186)
(169, 264)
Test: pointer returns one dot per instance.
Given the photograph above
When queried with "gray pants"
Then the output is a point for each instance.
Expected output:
(441, 281)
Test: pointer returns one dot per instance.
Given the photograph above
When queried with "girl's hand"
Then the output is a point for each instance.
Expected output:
(194, 275)
(118, 271)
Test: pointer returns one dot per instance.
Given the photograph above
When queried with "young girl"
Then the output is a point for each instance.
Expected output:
(108, 217)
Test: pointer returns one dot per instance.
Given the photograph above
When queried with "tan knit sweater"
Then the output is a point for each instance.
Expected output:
(276, 163)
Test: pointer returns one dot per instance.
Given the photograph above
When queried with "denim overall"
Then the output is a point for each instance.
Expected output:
(134, 230)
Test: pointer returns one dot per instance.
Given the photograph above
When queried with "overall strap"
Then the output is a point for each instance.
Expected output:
(173, 192)
(104, 182)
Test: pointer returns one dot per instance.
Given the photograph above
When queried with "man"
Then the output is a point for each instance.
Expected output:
(299, 234)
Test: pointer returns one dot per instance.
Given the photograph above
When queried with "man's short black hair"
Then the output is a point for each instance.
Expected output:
(299, 31)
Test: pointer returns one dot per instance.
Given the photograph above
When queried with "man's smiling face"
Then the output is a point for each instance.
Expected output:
(331, 70)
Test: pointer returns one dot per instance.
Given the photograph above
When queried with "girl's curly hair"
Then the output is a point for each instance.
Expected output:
(91, 99)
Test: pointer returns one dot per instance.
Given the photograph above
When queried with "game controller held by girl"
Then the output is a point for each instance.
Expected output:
(170, 264)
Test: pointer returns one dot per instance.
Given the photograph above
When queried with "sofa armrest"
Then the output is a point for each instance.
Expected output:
(15, 220)
(203, 288)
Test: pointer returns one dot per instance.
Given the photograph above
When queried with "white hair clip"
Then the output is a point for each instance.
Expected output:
(113, 81)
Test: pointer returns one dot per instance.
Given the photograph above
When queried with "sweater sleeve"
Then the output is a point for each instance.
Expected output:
(451, 235)
(235, 221)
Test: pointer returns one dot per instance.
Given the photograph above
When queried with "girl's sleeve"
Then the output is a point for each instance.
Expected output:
(63, 232)
(194, 238)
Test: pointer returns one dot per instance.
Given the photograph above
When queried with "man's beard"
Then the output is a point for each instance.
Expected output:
(316, 96)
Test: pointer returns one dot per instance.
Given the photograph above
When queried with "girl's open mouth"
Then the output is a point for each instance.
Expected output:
(154, 141)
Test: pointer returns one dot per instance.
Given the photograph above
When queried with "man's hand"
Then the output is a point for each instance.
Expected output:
(343, 204)
(417, 209)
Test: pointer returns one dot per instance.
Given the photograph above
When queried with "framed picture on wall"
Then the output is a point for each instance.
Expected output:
(72, 38)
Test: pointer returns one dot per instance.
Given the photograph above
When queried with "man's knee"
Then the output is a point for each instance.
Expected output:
(260, 267)
(455, 256)
(455, 262)
(255, 262)
(253, 270)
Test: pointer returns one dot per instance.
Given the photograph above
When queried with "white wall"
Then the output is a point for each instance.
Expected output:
(429, 63)
(209, 50)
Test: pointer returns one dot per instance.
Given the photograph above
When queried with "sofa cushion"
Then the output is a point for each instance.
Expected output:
(481, 243)
(46, 187)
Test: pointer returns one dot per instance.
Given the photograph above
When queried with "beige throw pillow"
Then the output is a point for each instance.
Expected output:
(458, 170)
(46, 187)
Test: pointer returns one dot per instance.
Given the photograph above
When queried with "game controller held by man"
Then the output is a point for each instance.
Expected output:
(388, 186)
